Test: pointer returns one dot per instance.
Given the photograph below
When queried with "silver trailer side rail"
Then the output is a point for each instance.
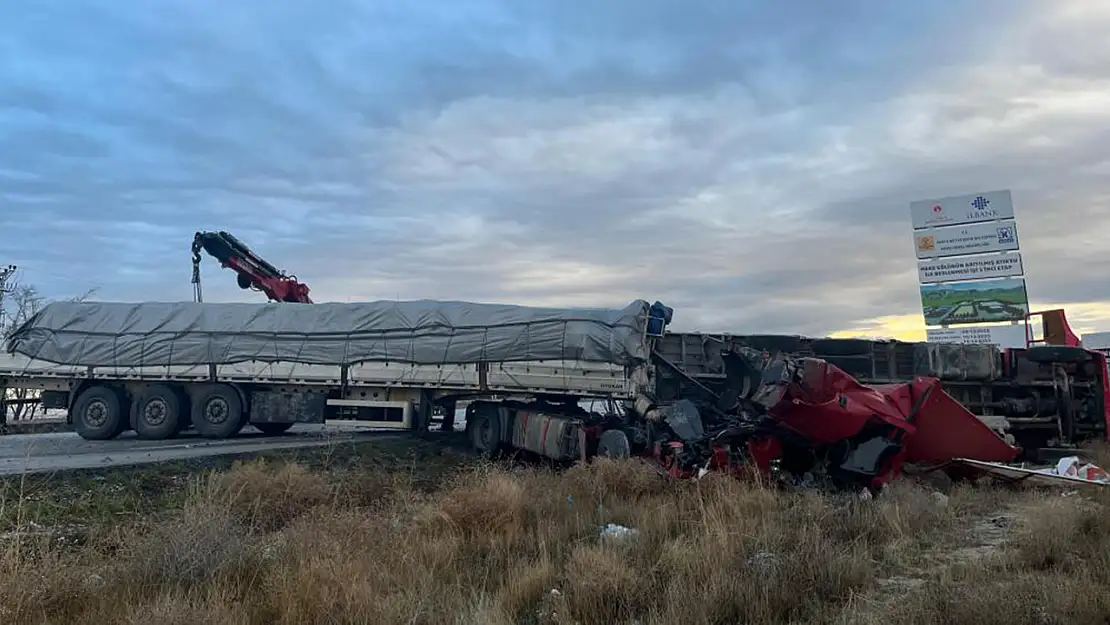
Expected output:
(573, 378)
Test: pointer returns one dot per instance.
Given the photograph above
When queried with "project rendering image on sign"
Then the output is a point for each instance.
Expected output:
(982, 301)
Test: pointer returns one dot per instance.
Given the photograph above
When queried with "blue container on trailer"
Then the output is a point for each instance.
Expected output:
(659, 317)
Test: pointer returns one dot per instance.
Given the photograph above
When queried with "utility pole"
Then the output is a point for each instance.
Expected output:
(5, 274)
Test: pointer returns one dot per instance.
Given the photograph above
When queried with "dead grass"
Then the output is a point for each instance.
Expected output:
(276, 542)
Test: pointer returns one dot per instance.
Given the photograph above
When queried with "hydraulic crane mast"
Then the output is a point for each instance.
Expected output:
(252, 271)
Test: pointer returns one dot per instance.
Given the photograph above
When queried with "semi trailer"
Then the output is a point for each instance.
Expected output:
(690, 401)
(159, 368)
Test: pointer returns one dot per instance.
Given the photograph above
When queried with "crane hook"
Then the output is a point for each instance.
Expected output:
(198, 296)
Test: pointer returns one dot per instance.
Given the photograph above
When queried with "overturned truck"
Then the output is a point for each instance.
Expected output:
(1048, 396)
(691, 402)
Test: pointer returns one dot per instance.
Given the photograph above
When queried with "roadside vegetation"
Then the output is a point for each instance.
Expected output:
(415, 535)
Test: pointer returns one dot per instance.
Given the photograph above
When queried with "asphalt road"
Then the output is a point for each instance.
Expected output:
(59, 451)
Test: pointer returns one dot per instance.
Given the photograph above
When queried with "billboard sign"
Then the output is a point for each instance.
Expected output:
(982, 301)
(962, 209)
(1002, 336)
(1000, 265)
(974, 239)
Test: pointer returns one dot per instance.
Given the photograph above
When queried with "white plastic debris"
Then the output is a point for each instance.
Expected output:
(612, 530)
(1068, 471)
(1072, 466)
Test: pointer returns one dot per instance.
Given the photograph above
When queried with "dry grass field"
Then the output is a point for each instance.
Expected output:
(419, 536)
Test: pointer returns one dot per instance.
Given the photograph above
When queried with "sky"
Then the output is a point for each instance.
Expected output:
(749, 163)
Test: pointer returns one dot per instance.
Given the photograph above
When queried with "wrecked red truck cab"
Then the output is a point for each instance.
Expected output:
(808, 421)
(1044, 398)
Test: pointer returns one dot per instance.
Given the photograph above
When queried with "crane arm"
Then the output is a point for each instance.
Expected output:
(253, 272)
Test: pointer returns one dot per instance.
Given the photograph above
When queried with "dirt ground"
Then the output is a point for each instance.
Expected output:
(407, 531)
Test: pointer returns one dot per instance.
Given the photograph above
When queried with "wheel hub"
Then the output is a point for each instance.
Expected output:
(96, 414)
(155, 411)
(216, 410)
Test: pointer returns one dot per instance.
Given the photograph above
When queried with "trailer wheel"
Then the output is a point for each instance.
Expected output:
(273, 429)
(485, 432)
(613, 444)
(158, 413)
(1064, 354)
(98, 414)
(217, 412)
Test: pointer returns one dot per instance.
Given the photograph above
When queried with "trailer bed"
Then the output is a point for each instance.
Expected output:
(573, 378)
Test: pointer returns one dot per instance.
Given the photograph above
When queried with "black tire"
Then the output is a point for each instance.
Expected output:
(158, 413)
(98, 414)
(1064, 354)
(273, 429)
(614, 444)
(485, 432)
(242, 424)
(124, 423)
(217, 412)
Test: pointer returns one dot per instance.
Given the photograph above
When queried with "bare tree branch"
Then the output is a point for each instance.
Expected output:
(20, 303)
(86, 296)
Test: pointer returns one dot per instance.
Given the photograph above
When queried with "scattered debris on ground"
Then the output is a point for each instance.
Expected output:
(1069, 471)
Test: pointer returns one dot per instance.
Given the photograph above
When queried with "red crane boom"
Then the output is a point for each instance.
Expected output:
(252, 270)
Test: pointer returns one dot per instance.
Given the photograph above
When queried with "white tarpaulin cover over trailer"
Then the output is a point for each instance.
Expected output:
(419, 332)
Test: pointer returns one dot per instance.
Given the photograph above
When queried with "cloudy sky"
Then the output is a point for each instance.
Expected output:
(750, 163)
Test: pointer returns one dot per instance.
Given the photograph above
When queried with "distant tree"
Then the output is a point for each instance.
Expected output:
(19, 303)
